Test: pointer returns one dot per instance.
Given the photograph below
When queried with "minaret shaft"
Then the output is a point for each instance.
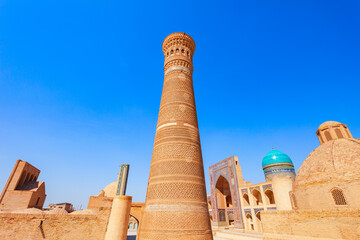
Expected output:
(176, 203)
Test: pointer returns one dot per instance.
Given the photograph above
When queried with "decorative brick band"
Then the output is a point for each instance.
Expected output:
(173, 68)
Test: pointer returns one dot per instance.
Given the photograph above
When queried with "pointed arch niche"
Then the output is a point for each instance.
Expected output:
(225, 179)
(224, 200)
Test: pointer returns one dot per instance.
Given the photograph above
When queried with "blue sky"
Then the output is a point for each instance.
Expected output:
(81, 82)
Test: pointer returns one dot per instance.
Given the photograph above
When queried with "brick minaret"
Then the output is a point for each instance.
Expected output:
(176, 203)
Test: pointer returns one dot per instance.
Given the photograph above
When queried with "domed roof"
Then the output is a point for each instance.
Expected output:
(329, 124)
(336, 160)
(28, 211)
(110, 190)
(275, 157)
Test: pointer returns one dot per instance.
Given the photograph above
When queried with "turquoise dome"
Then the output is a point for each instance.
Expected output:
(274, 157)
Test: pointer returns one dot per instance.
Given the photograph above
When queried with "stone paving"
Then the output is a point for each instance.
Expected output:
(132, 236)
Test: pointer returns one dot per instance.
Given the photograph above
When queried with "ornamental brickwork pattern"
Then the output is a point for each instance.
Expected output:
(176, 202)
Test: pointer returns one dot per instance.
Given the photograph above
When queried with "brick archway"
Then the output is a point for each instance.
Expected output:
(137, 210)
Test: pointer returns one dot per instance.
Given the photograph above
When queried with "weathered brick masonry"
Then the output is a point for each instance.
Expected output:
(53, 227)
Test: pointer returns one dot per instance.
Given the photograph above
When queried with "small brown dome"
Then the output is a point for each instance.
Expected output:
(331, 161)
(332, 130)
(328, 124)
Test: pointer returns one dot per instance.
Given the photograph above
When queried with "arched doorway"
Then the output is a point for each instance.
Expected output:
(246, 199)
(257, 197)
(133, 227)
(224, 202)
(258, 221)
(249, 222)
(269, 197)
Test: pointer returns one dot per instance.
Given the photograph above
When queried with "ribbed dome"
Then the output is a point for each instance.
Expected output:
(275, 157)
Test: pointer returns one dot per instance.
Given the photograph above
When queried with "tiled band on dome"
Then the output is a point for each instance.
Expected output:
(277, 164)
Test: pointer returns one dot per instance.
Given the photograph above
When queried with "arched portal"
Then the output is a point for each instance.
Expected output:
(258, 221)
(246, 199)
(269, 197)
(257, 197)
(135, 218)
(249, 222)
(133, 226)
(224, 201)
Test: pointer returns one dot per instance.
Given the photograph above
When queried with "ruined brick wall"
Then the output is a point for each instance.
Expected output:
(311, 225)
(16, 200)
(38, 197)
(100, 203)
(22, 190)
(59, 227)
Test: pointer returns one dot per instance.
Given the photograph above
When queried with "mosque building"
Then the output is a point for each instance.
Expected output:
(319, 202)
(237, 202)
(326, 191)
(332, 168)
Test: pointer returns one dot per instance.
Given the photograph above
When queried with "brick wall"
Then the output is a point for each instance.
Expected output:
(310, 224)
(99, 202)
(15, 199)
(59, 227)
